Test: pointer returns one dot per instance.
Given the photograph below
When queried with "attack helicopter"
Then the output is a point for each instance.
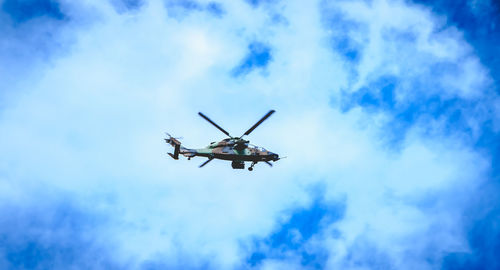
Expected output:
(235, 149)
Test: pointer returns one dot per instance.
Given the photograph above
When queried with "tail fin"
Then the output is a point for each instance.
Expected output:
(176, 144)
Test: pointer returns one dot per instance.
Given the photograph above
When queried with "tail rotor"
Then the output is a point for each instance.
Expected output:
(175, 143)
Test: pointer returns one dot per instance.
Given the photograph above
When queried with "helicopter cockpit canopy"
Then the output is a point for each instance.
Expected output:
(258, 148)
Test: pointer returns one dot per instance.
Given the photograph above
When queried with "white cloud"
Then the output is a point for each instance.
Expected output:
(93, 124)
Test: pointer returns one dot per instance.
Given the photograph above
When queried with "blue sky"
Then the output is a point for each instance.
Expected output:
(388, 113)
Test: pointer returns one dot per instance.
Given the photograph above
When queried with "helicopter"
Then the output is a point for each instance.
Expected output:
(235, 149)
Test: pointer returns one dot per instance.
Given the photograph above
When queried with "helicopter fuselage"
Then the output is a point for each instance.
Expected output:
(230, 150)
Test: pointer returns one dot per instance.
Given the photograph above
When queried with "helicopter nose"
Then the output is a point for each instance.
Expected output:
(273, 156)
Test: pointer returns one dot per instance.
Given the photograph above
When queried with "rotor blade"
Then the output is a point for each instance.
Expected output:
(205, 163)
(268, 163)
(211, 122)
(258, 123)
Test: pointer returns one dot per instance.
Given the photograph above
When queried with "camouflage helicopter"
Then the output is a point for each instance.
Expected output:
(235, 149)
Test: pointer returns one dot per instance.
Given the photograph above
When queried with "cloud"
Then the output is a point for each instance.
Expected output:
(258, 56)
(479, 22)
(46, 231)
(127, 5)
(22, 11)
(380, 106)
(30, 34)
(292, 240)
(182, 8)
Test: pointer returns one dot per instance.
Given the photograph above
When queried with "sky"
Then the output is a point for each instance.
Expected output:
(388, 112)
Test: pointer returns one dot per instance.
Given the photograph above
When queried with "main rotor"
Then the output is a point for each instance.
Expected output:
(244, 134)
